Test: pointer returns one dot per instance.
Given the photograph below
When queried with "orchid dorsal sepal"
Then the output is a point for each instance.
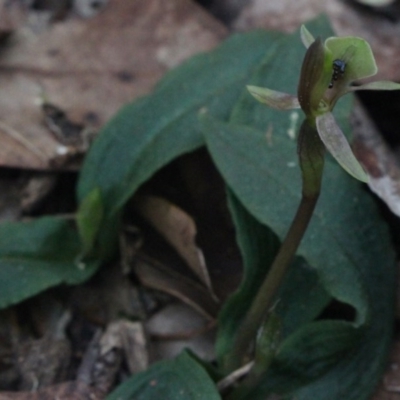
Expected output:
(377, 85)
(314, 80)
(338, 146)
(273, 98)
(357, 55)
(306, 37)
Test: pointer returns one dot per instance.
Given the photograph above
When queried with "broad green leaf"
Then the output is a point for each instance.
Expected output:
(37, 255)
(88, 219)
(337, 144)
(346, 242)
(149, 133)
(179, 379)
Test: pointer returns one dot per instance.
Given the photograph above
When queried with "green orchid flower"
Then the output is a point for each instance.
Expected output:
(328, 72)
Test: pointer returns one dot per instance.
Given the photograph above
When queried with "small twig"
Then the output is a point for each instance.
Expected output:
(13, 133)
(233, 377)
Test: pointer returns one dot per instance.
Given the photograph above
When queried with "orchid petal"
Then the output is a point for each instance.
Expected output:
(274, 99)
(337, 144)
(306, 37)
(378, 85)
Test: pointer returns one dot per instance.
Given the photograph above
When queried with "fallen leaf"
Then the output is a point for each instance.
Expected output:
(154, 275)
(178, 229)
(90, 68)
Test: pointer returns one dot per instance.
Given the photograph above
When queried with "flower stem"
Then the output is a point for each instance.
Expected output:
(311, 156)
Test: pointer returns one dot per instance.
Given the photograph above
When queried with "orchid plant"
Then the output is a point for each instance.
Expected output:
(329, 71)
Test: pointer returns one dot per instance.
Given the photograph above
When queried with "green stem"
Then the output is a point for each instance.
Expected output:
(311, 155)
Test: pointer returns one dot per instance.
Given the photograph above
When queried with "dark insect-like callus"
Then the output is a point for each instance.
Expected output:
(310, 90)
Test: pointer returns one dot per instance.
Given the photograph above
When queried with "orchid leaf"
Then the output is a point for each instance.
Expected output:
(337, 144)
(274, 99)
(356, 53)
(149, 133)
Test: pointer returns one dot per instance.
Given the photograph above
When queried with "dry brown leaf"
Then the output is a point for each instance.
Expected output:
(377, 159)
(178, 229)
(89, 68)
(154, 275)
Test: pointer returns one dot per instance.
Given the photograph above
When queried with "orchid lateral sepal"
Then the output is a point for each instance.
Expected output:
(338, 146)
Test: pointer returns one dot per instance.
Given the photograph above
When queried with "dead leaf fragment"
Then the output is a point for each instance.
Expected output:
(178, 229)
(156, 276)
